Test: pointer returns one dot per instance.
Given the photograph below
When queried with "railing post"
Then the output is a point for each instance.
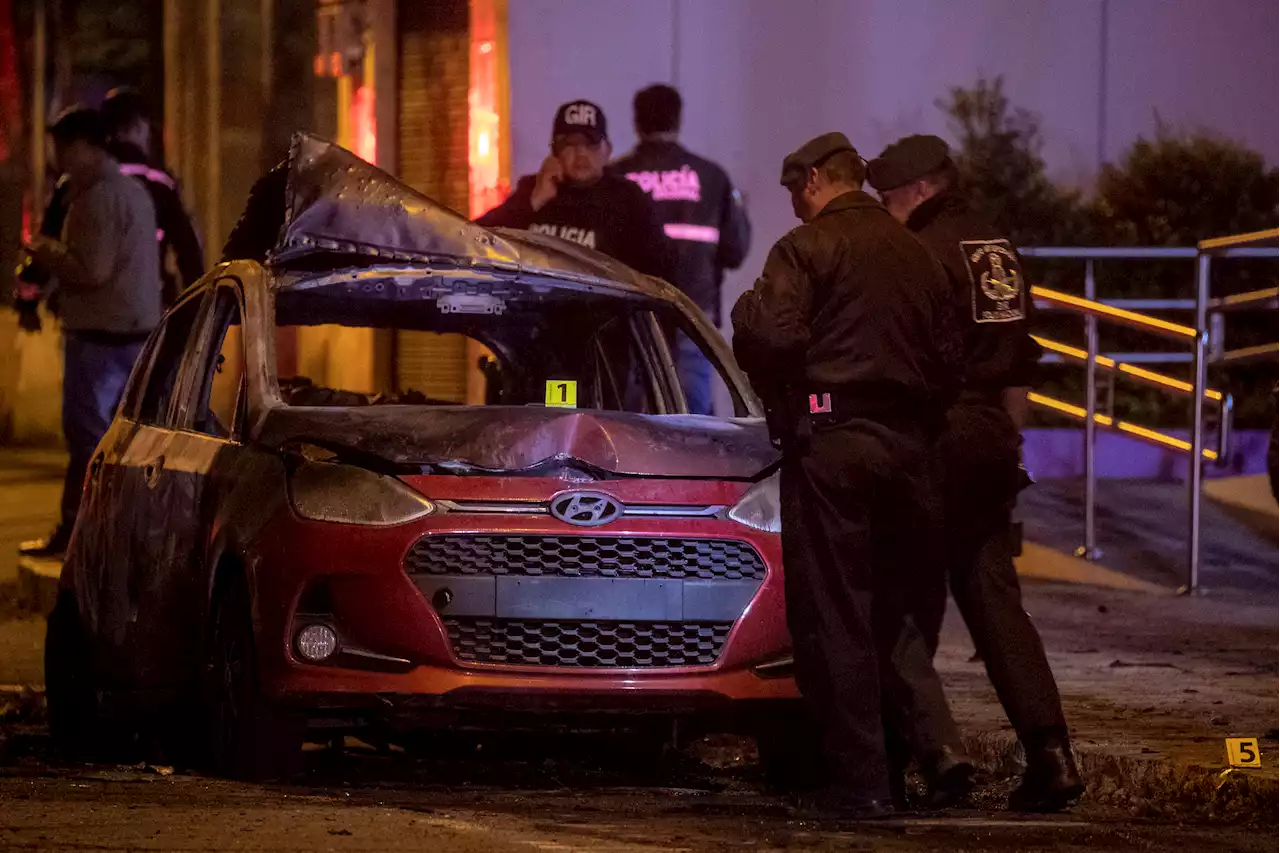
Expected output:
(1089, 550)
(1196, 471)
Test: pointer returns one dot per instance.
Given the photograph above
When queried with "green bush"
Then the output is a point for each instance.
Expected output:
(1173, 190)
(998, 155)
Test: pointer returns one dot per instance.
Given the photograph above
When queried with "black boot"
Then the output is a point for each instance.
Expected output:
(1052, 781)
(949, 776)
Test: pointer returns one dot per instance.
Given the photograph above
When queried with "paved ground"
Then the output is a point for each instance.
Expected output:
(132, 810)
(30, 488)
(1142, 531)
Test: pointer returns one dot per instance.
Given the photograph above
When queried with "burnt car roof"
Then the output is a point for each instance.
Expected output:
(346, 220)
(339, 205)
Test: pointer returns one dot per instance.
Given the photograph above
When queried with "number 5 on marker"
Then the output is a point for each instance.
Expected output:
(562, 393)
(1243, 752)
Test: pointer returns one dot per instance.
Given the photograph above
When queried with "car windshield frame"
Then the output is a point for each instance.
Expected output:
(414, 282)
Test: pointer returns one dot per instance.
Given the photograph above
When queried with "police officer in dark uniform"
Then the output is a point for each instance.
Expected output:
(700, 212)
(980, 451)
(845, 333)
(574, 198)
(128, 124)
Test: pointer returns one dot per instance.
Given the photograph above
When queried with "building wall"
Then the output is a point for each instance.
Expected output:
(761, 76)
(432, 141)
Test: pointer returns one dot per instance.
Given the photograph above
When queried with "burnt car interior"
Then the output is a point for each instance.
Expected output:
(611, 347)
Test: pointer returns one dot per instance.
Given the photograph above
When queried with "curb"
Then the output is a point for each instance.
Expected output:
(38, 585)
(1148, 788)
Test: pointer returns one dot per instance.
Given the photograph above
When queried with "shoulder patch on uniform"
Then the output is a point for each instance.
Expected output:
(997, 287)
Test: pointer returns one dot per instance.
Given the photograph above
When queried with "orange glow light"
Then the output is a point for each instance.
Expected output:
(364, 124)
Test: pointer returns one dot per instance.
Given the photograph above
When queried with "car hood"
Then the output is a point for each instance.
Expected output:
(514, 440)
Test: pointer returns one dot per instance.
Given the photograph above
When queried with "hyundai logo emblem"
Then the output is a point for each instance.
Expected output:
(585, 509)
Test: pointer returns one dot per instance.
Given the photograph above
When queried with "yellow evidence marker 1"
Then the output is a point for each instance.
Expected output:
(1243, 752)
(562, 393)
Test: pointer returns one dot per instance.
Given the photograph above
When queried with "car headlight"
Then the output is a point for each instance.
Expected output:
(322, 491)
(761, 506)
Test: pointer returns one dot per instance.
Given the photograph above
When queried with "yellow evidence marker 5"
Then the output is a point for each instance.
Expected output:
(1243, 752)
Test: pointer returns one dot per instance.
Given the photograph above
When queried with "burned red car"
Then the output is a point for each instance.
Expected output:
(274, 540)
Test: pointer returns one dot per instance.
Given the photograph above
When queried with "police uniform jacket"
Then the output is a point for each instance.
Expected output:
(991, 296)
(851, 304)
(700, 211)
(173, 226)
(613, 216)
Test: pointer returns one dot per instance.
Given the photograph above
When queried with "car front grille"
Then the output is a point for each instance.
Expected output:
(621, 645)
(585, 556)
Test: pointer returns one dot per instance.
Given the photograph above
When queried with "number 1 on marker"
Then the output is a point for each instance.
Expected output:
(562, 393)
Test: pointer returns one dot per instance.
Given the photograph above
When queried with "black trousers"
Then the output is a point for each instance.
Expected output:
(858, 515)
(979, 467)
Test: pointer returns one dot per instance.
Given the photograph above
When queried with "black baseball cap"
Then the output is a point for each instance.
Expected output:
(79, 122)
(123, 107)
(907, 160)
(581, 117)
(814, 152)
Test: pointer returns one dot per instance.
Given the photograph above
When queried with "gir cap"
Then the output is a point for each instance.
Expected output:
(581, 117)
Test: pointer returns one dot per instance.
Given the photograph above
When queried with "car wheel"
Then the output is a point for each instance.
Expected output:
(246, 736)
(791, 754)
(76, 722)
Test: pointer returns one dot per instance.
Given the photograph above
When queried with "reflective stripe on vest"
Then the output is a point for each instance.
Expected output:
(694, 233)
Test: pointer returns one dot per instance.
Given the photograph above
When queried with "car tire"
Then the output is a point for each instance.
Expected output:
(246, 736)
(791, 754)
(76, 722)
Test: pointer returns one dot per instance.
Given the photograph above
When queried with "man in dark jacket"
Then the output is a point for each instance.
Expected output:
(980, 451)
(572, 197)
(128, 124)
(845, 333)
(700, 212)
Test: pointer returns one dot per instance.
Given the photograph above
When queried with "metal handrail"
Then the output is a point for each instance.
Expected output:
(1101, 310)
(1149, 435)
(1260, 244)
(1220, 245)
(1140, 374)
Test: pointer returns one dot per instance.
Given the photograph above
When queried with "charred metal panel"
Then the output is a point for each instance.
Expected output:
(515, 439)
(338, 203)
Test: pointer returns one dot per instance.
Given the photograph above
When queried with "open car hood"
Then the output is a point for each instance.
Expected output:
(338, 204)
(529, 440)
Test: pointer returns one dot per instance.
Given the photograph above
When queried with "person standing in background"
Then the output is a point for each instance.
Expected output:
(107, 271)
(700, 212)
(573, 198)
(128, 126)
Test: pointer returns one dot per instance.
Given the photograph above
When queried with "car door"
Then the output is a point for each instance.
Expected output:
(205, 423)
(109, 554)
(169, 470)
